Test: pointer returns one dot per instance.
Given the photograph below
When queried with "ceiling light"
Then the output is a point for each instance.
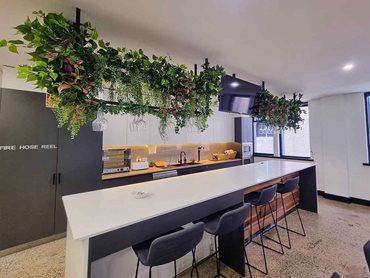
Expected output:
(234, 84)
(347, 67)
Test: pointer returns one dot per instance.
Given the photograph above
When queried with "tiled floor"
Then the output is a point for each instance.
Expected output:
(334, 242)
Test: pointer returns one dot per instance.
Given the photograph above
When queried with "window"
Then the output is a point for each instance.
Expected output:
(297, 143)
(263, 138)
(367, 110)
(290, 143)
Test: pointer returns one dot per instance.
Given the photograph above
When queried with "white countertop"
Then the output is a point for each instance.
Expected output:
(97, 212)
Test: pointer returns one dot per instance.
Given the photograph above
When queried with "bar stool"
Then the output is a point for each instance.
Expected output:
(367, 253)
(285, 188)
(259, 199)
(224, 223)
(169, 247)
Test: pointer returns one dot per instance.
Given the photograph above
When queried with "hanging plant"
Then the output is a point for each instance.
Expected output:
(278, 111)
(75, 67)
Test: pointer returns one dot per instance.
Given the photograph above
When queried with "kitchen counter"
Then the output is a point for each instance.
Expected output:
(152, 170)
(103, 222)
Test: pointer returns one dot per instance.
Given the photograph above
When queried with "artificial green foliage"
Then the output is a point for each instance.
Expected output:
(278, 111)
(74, 66)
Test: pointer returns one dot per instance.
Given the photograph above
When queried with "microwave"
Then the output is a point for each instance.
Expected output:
(116, 160)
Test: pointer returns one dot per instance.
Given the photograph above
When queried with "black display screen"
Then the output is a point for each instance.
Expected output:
(237, 95)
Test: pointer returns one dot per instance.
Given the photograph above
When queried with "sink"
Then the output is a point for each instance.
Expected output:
(185, 164)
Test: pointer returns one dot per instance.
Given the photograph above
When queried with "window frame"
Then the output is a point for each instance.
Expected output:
(280, 146)
(367, 115)
(281, 151)
(254, 143)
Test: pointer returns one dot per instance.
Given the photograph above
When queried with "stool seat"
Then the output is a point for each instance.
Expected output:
(261, 197)
(288, 186)
(142, 249)
(367, 253)
(169, 247)
(226, 222)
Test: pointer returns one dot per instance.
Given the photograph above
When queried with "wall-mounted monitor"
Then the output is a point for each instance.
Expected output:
(237, 95)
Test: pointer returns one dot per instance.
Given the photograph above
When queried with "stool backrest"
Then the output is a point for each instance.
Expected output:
(170, 247)
(290, 184)
(367, 253)
(233, 219)
(266, 195)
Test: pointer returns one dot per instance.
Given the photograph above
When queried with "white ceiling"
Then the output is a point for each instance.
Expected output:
(294, 45)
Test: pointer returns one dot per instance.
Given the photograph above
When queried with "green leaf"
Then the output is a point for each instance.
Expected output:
(13, 48)
(31, 77)
(29, 37)
(16, 42)
(101, 43)
(3, 43)
(94, 34)
(53, 75)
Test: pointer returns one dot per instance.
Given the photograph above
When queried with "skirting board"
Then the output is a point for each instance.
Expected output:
(347, 200)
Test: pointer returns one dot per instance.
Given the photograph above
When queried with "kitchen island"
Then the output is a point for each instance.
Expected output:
(103, 222)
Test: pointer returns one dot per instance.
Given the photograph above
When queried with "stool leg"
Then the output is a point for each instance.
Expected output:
(299, 216)
(245, 252)
(150, 272)
(289, 246)
(137, 268)
(277, 230)
(262, 245)
(217, 258)
(174, 264)
(194, 264)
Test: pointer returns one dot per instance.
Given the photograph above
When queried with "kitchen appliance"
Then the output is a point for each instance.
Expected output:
(116, 160)
(247, 150)
(244, 136)
(139, 165)
(164, 174)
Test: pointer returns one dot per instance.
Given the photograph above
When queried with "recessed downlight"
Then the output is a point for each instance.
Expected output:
(234, 84)
(348, 67)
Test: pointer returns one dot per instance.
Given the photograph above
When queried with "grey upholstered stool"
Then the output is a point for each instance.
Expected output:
(263, 198)
(367, 253)
(223, 223)
(169, 247)
(287, 188)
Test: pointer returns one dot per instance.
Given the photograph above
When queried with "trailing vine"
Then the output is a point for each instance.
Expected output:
(75, 66)
(278, 111)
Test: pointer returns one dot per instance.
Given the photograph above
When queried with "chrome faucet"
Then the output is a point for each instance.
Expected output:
(182, 157)
(199, 149)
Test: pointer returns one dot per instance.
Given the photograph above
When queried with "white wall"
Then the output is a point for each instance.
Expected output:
(121, 131)
(338, 142)
(10, 81)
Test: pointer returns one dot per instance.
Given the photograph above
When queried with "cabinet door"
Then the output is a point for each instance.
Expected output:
(79, 167)
(28, 140)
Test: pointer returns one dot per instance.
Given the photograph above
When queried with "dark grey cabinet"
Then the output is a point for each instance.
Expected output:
(243, 129)
(39, 163)
(180, 172)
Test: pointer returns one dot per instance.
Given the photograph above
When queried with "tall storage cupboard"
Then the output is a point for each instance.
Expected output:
(39, 164)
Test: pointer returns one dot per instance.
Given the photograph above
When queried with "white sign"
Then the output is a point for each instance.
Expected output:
(28, 147)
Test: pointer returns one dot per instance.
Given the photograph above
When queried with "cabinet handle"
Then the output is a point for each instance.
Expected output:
(59, 177)
(54, 177)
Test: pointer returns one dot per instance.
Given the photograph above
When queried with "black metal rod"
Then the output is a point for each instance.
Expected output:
(263, 85)
(195, 69)
(206, 63)
(78, 17)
